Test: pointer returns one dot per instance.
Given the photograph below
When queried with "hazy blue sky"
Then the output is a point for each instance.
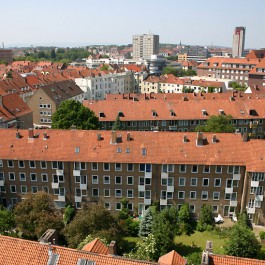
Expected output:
(68, 22)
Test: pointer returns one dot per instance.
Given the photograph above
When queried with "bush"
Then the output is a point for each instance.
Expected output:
(262, 235)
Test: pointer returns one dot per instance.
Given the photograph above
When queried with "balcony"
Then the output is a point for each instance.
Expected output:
(251, 210)
(228, 190)
(254, 183)
(61, 198)
(173, 128)
(76, 173)
(59, 172)
(163, 201)
(164, 175)
(233, 203)
(148, 175)
(259, 198)
(141, 187)
(55, 185)
(236, 176)
(147, 201)
(2, 183)
(78, 198)
(170, 188)
(154, 128)
(83, 186)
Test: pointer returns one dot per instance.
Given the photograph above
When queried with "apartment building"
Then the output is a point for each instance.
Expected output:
(225, 171)
(257, 76)
(180, 112)
(6, 55)
(47, 99)
(96, 87)
(238, 42)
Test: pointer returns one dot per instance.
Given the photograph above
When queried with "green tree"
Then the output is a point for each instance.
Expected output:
(68, 215)
(117, 124)
(73, 113)
(237, 86)
(206, 220)
(170, 70)
(242, 242)
(164, 229)
(185, 220)
(219, 124)
(104, 67)
(94, 220)
(36, 214)
(145, 227)
(7, 221)
(53, 54)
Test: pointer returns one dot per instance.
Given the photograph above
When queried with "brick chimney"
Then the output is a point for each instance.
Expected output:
(113, 139)
(31, 133)
(245, 137)
(112, 248)
(128, 136)
(199, 139)
(45, 136)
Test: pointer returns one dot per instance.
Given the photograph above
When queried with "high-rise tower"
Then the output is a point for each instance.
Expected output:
(145, 45)
(238, 41)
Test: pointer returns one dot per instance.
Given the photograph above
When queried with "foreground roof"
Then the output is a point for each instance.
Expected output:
(101, 146)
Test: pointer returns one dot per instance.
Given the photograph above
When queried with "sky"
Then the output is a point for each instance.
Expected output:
(86, 22)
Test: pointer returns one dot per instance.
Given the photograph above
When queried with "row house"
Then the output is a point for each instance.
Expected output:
(95, 87)
(47, 99)
(257, 76)
(225, 171)
(163, 113)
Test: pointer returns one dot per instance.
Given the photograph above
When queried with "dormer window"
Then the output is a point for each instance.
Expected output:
(172, 113)
(204, 112)
(154, 113)
(221, 112)
(144, 151)
(101, 114)
(120, 114)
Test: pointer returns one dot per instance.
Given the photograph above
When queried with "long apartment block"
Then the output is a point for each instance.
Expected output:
(180, 112)
(75, 166)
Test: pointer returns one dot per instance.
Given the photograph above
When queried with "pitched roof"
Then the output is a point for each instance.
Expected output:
(25, 252)
(172, 258)
(96, 246)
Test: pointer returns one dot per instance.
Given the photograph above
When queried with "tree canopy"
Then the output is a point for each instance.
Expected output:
(36, 214)
(7, 221)
(219, 124)
(206, 220)
(73, 113)
(237, 86)
(178, 72)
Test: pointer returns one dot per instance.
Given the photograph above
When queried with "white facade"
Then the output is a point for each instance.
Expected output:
(238, 42)
(96, 88)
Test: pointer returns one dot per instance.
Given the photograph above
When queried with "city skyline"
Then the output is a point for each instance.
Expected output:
(63, 23)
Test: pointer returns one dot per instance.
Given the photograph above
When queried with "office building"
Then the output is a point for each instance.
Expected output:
(238, 41)
(144, 46)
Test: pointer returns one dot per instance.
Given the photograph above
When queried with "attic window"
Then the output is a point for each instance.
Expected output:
(221, 112)
(77, 149)
(172, 112)
(144, 152)
(101, 114)
(253, 112)
(204, 112)
(85, 262)
(118, 150)
(242, 112)
(154, 113)
(120, 114)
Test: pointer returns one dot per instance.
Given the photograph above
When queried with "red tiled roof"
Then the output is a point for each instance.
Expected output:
(204, 83)
(261, 64)
(230, 260)
(172, 258)
(96, 246)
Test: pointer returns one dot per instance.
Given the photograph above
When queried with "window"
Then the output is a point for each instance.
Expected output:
(129, 193)
(119, 150)
(227, 196)
(95, 192)
(118, 206)
(107, 205)
(192, 208)
(32, 164)
(194, 168)
(145, 168)
(57, 165)
(79, 165)
(218, 169)
(118, 193)
(130, 206)
(10, 163)
(217, 182)
(23, 189)
(34, 189)
(193, 181)
(215, 208)
(204, 195)
(147, 194)
(118, 180)
(205, 182)
(106, 192)
(57, 179)
(127, 150)
(118, 167)
(12, 176)
(235, 183)
(33, 177)
(233, 169)
(94, 179)
(94, 166)
(22, 176)
(43, 164)
(130, 180)
(182, 168)
(229, 183)
(129, 167)
(163, 194)
(182, 181)
(13, 188)
(193, 195)
(216, 195)
(106, 179)
(148, 181)
(206, 169)
(140, 194)
(106, 166)
(169, 195)
(1, 163)
(45, 189)
(167, 168)
(21, 164)
(181, 195)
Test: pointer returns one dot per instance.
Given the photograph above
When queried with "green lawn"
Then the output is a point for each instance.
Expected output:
(197, 242)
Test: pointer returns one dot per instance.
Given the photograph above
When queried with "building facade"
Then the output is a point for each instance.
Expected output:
(223, 170)
(6, 55)
(238, 42)
(144, 46)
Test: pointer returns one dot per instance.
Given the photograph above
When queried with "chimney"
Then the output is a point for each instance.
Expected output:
(214, 140)
(123, 96)
(185, 140)
(209, 247)
(99, 137)
(113, 139)
(31, 133)
(205, 258)
(128, 136)
(112, 248)
(245, 137)
(199, 140)
(45, 136)
(17, 135)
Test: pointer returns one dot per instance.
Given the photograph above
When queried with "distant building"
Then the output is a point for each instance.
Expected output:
(6, 55)
(238, 41)
(196, 53)
(144, 46)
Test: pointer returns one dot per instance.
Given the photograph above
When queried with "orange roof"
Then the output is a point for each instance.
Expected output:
(172, 258)
(25, 252)
(204, 83)
(261, 64)
(61, 146)
(96, 246)
(230, 260)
